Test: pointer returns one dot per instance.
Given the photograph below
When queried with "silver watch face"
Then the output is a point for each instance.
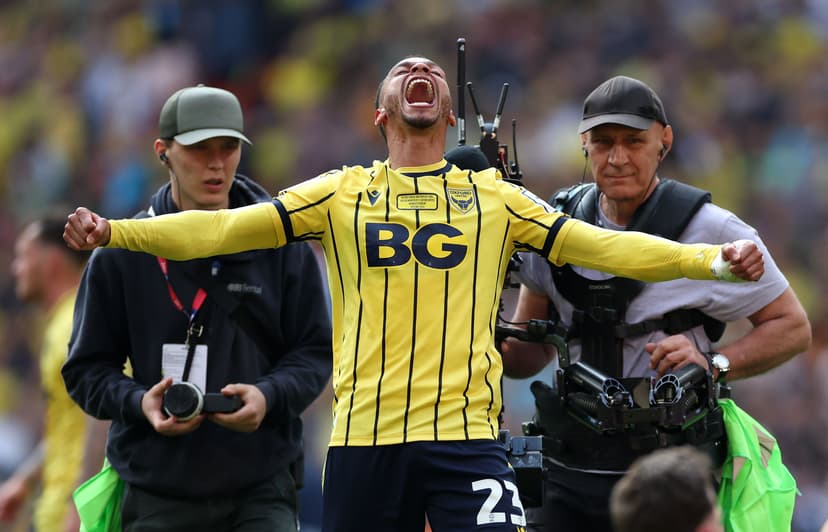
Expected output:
(721, 362)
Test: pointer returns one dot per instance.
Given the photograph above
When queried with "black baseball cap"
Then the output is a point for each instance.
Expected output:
(199, 113)
(625, 101)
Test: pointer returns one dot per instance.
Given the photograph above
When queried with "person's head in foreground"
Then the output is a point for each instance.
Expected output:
(669, 490)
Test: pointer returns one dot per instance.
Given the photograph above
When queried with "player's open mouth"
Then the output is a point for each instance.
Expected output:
(419, 91)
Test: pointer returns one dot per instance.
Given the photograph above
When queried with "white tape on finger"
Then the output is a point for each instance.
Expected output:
(721, 270)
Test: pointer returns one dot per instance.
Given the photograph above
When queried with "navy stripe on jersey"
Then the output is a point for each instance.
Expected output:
(283, 214)
(495, 308)
(338, 269)
(383, 355)
(336, 258)
(359, 315)
(413, 329)
(442, 354)
(473, 306)
(496, 302)
(532, 220)
(316, 203)
(307, 237)
(442, 364)
(476, 254)
(384, 345)
(553, 234)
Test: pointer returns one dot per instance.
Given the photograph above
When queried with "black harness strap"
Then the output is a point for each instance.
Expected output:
(600, 306)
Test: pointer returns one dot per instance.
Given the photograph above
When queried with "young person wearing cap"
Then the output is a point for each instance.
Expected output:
(417, 251)
(252, 325)
(625, 136)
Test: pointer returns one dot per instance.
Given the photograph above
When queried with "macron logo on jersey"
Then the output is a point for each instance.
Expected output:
(373, 195)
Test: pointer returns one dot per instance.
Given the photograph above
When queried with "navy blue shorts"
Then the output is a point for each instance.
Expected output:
(457, 485)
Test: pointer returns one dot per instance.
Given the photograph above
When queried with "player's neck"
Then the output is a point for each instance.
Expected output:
(416, 150)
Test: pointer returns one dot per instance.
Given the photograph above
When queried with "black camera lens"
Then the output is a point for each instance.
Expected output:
(183, 401)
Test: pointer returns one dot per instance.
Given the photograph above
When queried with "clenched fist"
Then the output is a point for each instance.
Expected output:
(741, 260)
(85, 230)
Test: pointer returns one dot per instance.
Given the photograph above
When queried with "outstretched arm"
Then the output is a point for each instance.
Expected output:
(650, 258)
(180, 236)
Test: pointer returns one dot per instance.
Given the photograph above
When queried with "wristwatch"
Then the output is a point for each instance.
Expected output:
(720, 363)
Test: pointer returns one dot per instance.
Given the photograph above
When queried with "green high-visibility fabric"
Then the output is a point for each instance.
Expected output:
(757, 492)
(98, 501)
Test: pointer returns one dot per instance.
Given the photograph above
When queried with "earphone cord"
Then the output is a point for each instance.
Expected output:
(177, 191)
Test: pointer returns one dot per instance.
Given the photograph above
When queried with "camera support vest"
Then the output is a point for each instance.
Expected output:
(598, 318)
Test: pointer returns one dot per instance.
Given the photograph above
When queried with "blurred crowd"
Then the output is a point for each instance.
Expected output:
(744, 83)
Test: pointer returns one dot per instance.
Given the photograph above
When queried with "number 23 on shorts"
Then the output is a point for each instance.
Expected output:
(488, 514)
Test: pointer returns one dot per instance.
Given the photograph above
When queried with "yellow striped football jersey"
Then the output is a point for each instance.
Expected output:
(416, 259)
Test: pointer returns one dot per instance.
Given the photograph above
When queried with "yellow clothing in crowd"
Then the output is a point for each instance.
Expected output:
(65, 426)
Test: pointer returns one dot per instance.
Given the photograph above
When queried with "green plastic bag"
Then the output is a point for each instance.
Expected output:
(757, 492)
(98, 501)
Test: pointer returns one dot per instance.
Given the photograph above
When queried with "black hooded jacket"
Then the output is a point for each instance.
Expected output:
(266, 323)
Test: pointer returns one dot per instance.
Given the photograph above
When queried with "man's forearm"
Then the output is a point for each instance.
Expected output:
(781, 331)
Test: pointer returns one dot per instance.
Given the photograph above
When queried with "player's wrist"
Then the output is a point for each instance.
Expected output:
(110, 234)
(720, 268)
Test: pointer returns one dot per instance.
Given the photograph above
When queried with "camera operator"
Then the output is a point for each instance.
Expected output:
(627, 329)
(247, 327)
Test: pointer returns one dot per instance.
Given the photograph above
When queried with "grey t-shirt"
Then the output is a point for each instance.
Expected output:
(724, 301)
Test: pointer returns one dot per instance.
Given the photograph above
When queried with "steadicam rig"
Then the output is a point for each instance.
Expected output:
(489, 152)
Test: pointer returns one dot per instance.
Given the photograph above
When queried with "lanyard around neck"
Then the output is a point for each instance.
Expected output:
(192, 330)
(198, 299)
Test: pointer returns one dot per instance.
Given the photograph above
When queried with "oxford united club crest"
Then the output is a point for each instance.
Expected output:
(462, 199)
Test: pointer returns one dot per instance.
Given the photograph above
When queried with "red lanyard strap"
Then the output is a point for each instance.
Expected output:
(198, 300)
(192, 330)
